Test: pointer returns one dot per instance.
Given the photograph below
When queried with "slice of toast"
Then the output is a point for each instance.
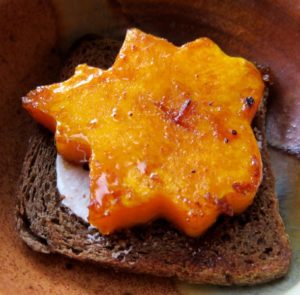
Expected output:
(242, 250)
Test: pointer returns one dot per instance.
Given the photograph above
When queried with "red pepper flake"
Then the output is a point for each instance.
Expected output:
(182, 110)
(175, 116)
(233, 132)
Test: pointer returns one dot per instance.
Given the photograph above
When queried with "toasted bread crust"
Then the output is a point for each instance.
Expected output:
(244, 250)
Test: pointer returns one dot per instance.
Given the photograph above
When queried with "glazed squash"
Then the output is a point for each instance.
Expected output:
(166, 131)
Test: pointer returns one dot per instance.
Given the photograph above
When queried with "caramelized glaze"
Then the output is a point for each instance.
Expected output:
(166, 130)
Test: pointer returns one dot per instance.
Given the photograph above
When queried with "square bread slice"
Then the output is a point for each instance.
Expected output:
(242, 250)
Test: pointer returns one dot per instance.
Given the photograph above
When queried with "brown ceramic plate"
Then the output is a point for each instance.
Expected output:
(35, 34)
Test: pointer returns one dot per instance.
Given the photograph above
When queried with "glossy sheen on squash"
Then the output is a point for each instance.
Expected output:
(166, 131)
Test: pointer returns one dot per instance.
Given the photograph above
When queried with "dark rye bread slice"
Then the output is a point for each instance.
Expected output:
(242, 250)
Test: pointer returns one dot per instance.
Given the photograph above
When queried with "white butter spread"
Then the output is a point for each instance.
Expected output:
(73, 184)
